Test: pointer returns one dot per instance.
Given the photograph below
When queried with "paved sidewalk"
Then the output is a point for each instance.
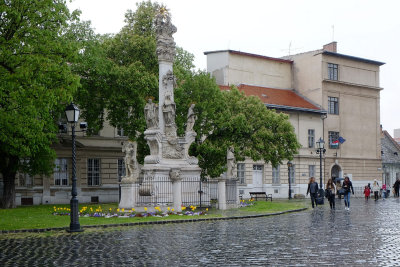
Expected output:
(367, 235)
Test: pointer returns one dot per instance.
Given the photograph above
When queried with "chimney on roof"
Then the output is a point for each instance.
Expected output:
(331, 47)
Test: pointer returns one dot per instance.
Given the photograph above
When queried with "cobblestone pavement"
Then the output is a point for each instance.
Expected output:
(367, 235)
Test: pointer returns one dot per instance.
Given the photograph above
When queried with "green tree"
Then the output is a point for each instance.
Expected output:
(118, 74)
(253, 130)
(38, 41)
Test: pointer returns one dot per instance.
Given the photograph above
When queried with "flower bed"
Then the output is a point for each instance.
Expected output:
(246, 203)
(122, 213)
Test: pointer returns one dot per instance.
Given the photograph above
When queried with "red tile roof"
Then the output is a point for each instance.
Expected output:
(275, 97)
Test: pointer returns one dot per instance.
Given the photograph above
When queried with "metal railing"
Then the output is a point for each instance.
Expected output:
(200, 193)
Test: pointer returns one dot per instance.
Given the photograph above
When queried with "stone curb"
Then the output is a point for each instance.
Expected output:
(149, 223)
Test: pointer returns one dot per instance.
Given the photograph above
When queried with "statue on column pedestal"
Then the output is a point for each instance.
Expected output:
(151, 114)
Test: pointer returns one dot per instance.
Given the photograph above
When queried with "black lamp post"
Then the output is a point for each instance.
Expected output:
(72, 114)
(320, 150)
(290, 165)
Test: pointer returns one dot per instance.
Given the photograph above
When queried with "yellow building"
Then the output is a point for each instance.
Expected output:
(341, 99)
(99, 166)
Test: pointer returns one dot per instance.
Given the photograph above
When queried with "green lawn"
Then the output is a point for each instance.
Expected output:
(34, 217)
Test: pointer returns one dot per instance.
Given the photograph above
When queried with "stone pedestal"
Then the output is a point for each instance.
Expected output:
(128, 193)
(222, 193)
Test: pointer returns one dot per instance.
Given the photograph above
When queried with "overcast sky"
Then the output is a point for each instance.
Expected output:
(362, 28)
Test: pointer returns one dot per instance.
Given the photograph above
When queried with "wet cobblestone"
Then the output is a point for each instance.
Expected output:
(368, 235)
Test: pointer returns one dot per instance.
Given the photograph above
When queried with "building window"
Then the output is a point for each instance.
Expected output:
(333, 71)
(333, 105)
(61, 171)
(293, 174)
(311, 138)
(25, 180)
(276, 179)
(93, 171)
(120, 132)
(311, 170)
(121, 169)
(333, 139)
(240, 173)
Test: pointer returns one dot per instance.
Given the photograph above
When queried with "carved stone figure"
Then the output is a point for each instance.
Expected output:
(164, 31)
(231, 163)
(191, 118)
(172, 150)
(175, 174)
(131, 164)
(168, 109)
(169, 79)
(151, 114)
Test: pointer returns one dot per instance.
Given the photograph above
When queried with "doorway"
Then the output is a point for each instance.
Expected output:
(336, 172)
(258, 178)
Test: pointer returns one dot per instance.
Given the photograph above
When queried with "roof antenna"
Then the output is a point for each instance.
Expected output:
(333, 33)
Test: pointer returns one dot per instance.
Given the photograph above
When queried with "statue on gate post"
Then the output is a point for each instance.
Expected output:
(231, 163)
(131, 164)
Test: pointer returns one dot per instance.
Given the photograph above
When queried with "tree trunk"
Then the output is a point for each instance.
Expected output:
(8, 169)
(8, 200)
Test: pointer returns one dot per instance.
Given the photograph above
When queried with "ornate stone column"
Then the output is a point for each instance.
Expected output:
(166, 53)
(175, 176)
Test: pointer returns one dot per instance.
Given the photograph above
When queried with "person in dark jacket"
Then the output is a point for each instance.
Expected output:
(396, 187)
(348, 188)
(331, 189)
(313, 190)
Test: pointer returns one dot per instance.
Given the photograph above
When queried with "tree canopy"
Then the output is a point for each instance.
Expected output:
(38, 42)
(254, 131)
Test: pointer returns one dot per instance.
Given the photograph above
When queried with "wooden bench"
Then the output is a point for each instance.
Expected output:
(256, 195)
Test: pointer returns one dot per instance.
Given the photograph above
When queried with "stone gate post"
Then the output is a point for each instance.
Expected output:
(222, 193)
(129, 193)
(176, 180)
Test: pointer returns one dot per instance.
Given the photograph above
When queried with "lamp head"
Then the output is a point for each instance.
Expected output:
(72, 113)
(320, 143)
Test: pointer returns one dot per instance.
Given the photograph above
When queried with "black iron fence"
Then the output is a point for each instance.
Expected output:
(231, 191)
(157, 191)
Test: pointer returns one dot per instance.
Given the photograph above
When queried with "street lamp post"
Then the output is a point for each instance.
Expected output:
(320, 150)
(72, 114)
(289, 165)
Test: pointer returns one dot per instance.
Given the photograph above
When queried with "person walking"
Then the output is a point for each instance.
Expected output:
(396, 187)
(348, 188)
(384, 193)
(313, 190)
(375, 189)
(367, 192)
(331, 190)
